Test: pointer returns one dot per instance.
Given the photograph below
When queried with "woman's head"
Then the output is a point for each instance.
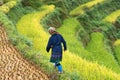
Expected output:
(51, 30)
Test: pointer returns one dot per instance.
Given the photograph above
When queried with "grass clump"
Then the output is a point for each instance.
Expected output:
(7, 6)
(116, 48)
(18, 11)
(21, 42)
(98, 49)
(113, 16)
(80, 9)
(74, 45)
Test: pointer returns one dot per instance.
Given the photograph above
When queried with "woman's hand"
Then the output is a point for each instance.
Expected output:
(51, 46)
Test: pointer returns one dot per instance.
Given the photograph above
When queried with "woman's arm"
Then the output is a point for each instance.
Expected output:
(64, 43)
(49, 45)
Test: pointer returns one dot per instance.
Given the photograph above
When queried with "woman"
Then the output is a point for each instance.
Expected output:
(54, 43)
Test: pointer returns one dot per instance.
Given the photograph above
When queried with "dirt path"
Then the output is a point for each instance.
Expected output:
(13, 66)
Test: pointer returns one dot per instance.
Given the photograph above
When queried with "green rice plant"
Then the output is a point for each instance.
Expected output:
(21, 42)
(71, 62)
(116, 47)
(53, 19)
(5, 1)
(33, 34)
(80, 9)
(94, 17)
(18, 11)
(98, 49)
(10, 28)
(69, 5)
(117, 43)
(98, 54)
(33, 3)
(7, 6)
(117, 22)
(86, 70)
(98, 12)
(68, 30)
(112, 17)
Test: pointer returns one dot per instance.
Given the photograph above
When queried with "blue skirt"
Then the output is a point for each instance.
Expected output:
(56, 57)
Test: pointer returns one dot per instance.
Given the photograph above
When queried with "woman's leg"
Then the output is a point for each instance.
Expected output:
(59, 66)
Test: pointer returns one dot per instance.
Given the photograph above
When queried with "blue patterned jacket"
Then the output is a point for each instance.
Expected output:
(55, 43)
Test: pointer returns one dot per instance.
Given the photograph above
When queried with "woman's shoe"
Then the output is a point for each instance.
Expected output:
(60, 72)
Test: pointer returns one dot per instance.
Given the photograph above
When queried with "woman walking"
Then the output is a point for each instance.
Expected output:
(54, 43)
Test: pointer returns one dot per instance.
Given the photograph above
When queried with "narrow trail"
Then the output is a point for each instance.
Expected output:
(13, 66)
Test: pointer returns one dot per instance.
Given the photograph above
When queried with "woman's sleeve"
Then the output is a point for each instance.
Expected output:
(64, 43)
(49, 45)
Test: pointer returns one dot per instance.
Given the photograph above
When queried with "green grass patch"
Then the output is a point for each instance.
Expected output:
(94, 18)
(33, 34)
(18, 11)
(68, 30)
(117, 43)
(80, 9)
(98, 49)
(112, 17)
(116, 48)
(85, 69)
(68, 5)
(21, 42)
(7, 6)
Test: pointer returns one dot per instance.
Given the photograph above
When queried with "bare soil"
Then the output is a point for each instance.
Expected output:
(13, 66)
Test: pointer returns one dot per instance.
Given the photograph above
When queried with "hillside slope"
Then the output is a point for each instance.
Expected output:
(89, 55)
(13, 66)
